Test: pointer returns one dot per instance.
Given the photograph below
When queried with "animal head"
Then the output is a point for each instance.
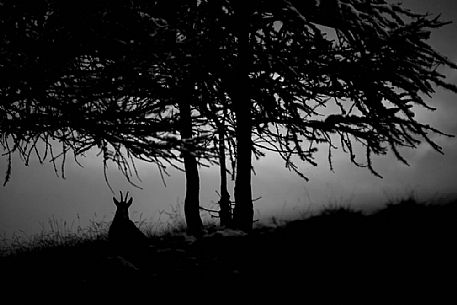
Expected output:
(123, 205)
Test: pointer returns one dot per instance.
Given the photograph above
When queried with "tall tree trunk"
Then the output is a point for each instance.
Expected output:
(185, 91)
(244, 211)
(192, 200)
(225, 212)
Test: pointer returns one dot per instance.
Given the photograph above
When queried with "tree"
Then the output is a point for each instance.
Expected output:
(117, 87)
(285, 76)
(126, 60)
(368, 61)
(180, 17)
(241, 100)
(225, 213)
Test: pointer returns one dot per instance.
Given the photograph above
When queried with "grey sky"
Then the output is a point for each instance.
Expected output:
(35, 194)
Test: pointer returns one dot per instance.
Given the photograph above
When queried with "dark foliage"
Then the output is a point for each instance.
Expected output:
(80, 76)
(159, 81)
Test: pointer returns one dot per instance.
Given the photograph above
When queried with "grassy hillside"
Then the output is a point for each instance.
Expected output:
(406, 248)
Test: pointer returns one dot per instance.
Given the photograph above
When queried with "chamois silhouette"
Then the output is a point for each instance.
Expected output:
(123, 233)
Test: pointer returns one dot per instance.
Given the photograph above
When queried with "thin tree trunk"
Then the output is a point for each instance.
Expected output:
(244, 211)
(192, 201)
(225, 213)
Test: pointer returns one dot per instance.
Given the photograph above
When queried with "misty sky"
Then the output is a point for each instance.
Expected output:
(35, 194)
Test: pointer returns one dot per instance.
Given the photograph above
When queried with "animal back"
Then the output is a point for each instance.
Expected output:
(125, 233)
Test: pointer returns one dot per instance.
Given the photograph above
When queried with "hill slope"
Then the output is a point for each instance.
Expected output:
(405, 248)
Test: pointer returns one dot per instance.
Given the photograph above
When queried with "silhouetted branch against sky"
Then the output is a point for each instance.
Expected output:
(103, 75)
(375, 68)
(90, 76)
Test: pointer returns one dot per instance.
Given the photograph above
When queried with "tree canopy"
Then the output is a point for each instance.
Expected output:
(89, 75)
(158, 80)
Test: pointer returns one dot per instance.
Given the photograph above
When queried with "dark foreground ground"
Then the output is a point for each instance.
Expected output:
(403, 254)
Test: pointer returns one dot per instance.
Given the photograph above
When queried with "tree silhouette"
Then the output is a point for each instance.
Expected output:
(124, 83)
(156, 81)
(302, 74)
(113, 86)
